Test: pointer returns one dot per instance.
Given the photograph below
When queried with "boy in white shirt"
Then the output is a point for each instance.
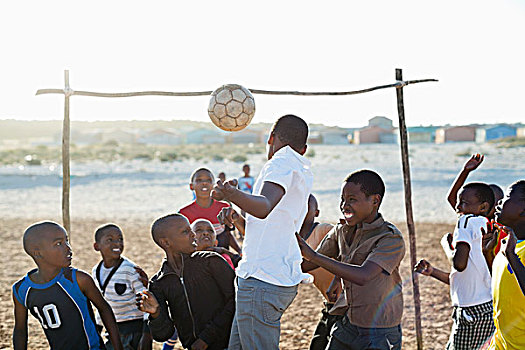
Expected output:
(119, 283)
(469, 279)
(270, 269)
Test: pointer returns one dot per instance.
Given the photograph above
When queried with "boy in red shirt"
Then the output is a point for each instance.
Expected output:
(205, 207)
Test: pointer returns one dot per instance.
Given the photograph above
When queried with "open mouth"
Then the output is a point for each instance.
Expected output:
(348, 215)
(116, 250)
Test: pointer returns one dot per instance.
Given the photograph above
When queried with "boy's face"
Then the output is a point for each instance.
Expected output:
(511, 209)
(222, 177)
(111, 244)
(246, 170)
(205, 234)
(180, 238)
(497, 198)
(469, 203)
(202, 183)
(54, 249)
(356, 206)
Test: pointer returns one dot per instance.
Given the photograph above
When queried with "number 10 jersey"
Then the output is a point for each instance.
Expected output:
(62, 309)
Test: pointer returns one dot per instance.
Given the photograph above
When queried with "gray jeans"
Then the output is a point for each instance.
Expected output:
(259, 307)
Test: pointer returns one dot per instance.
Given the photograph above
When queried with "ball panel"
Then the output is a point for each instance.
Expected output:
(238, 95)
(249, 106)
(224, 96)
(219, 110)
(234, 109)
(228, 123)
(243, 120)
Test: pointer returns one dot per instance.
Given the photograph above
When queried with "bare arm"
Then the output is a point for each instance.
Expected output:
(425, 268)
(88, 288)
(20, 329)
(469, 166)
(460, 258)
(359, 275)
(259, 206)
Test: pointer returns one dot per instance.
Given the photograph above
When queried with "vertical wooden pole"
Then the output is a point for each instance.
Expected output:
(65, 157)
(408, 206)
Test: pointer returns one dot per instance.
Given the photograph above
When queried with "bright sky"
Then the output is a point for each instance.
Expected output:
(475, 49)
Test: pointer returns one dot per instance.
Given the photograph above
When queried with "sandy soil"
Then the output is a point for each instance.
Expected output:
(298, 322)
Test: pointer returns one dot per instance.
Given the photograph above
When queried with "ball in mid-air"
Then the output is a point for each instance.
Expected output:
(231, 107)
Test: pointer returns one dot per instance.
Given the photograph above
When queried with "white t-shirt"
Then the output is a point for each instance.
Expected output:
(121, 291)
(270, 252)
(471, 286)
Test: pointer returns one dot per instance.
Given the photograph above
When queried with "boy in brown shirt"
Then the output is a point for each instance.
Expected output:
(368, 252)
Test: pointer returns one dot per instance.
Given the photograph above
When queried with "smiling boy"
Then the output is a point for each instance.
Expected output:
(368, 252)
(119, 282)
(205, 207)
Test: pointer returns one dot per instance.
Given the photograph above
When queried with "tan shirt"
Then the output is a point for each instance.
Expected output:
(322, 278)
(379, 303)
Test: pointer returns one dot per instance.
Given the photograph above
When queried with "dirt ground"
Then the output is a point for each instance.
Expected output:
(299, 321)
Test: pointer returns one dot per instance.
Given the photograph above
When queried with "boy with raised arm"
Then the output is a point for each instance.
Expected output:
(58, 295)
(368, 250)
(269, 272)
(469, 278)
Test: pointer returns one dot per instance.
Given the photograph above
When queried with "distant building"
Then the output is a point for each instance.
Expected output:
(244, 137)
(372, 134)
(456, 134)
(205, 136)
(382, 122)
(421, 134)
(335, 137)
(315, 138)
(520, 132)
(494, 132)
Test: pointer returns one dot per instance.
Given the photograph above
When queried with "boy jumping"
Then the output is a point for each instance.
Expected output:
(58, 295)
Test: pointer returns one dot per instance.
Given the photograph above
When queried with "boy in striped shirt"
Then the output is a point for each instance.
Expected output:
(119, 282)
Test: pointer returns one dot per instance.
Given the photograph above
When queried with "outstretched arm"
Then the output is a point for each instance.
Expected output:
(359, 275)
(88, 288)
(424, 268)
(259, 206)
(229, 217)
(20, 329)
(470, 165)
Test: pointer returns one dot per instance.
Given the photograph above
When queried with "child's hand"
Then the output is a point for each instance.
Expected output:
(146, 302)
(511, 239)
(199, 344)
(424, 267)
(228, 216)
(474, 162)
(490, 236)
(334, 290)
(143, 276)
(223, 191)
(307, 251)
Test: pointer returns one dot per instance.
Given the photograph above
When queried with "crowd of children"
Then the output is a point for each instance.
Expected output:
(209, 297)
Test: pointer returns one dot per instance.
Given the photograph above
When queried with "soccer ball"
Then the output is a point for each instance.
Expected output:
(231, 107)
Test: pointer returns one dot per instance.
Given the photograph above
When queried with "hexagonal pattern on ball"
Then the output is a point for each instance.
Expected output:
(228, 123)
(239, 95)
(224, 96)
(219, 111)
(234, 109)
(248, 106)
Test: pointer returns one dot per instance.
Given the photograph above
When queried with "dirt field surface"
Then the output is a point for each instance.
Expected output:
(300, 319)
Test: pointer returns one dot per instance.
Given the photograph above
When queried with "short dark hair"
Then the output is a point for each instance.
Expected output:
(159, 225)
(291, 130)
(498, 192)
(482, 191)
(520, 187)
(192, 177)
(100, 231)
(370, 181)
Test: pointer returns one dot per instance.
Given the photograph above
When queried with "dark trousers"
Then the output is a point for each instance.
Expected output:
(322, 331)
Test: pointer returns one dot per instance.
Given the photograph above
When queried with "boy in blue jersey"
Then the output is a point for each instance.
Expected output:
(58, 295)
